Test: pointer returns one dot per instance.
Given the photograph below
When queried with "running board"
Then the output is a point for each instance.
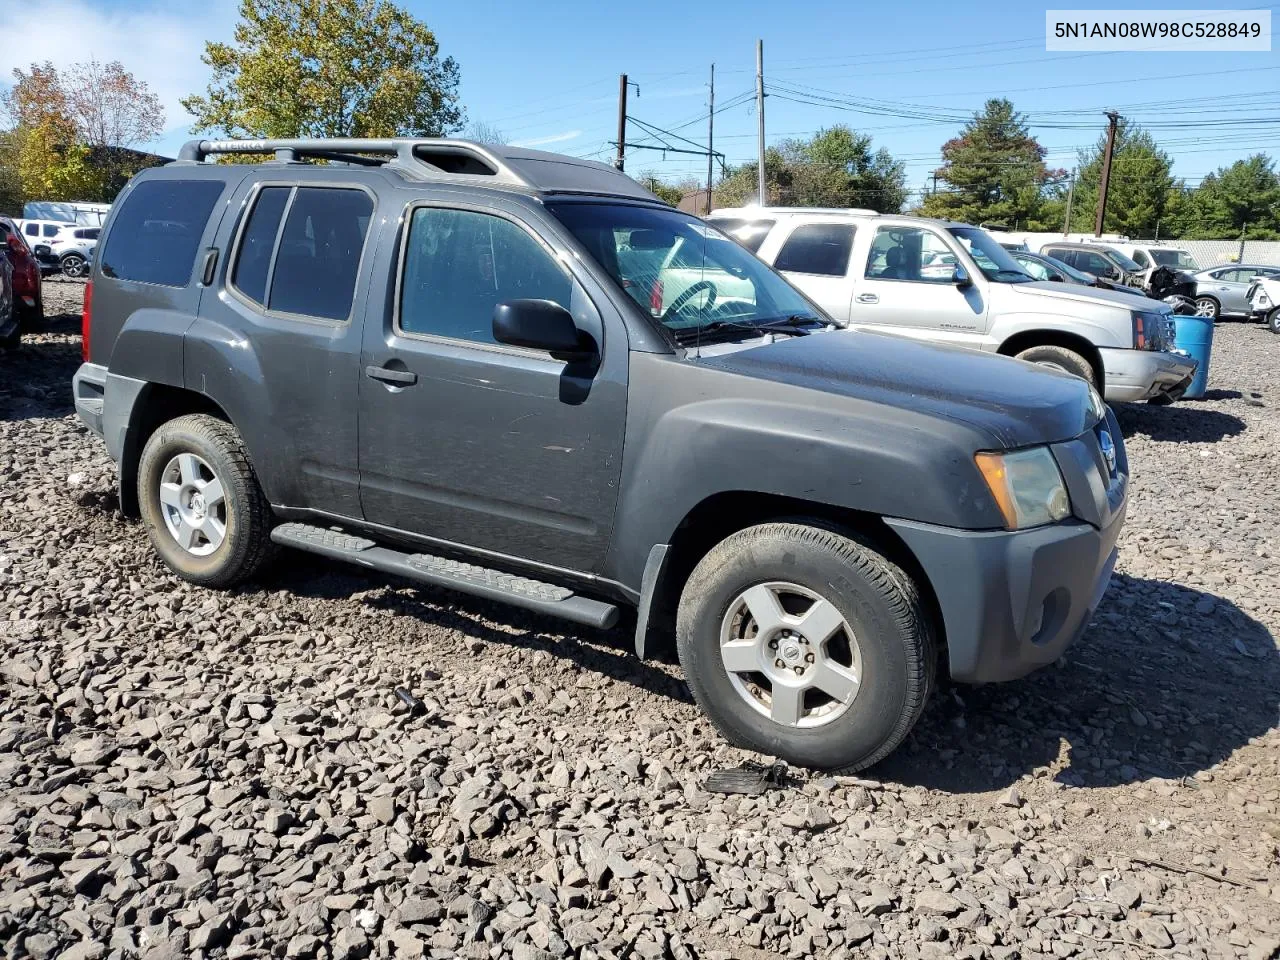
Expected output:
(453, 574)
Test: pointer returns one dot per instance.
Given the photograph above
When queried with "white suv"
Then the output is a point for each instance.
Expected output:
(953, 283)
(73, 244)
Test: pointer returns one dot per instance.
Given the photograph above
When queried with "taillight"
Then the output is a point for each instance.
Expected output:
(655, 298)
(86, 321)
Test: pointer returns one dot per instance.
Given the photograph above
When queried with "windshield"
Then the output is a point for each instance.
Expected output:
(991, 258)
(1178, 259)
(1123, 262)
(682, 272)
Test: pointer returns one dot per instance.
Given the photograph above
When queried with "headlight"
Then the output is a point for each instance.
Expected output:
(1097, 406)
(1027, 486)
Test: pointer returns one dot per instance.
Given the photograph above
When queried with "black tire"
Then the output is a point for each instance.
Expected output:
(1208, 307)
(877, 600)
(1273, 321)
(13, 339)
(246, 515)
(1060, 358)
(75, 266)
(30, 318)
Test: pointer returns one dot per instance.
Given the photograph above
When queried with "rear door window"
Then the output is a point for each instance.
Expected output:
(318, 258)
(258, 242)
(157, 231)
(749, 233)
(817, 248)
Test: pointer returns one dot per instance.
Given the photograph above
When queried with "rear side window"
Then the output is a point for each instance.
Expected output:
(310, 267)
(821, 248)
(749, 233)
(458, 265)
(50, 230)
(157, 231)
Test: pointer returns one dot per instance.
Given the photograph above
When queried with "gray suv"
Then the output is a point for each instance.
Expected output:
(520, 376)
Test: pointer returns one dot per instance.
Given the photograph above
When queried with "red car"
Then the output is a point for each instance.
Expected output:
(28, 298)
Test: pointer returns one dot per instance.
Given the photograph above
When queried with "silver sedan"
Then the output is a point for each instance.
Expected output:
(1220, 291)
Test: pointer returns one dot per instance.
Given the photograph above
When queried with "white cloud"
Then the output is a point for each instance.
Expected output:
(552, 138)
(160, 44)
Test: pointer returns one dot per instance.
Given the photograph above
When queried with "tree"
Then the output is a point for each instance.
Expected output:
(74, 131)
(113, 113)
(328, 68)
(482, 132)
(664, 191)
(835, 168)
(1141, 184)
(1244, 197)
(993, 172)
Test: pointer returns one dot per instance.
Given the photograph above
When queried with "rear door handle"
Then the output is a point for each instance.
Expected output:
(210, 264)
(388, 375)
(868, 298)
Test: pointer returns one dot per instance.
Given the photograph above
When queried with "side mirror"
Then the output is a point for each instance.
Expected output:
(960, 277)
(1057, 277)
(541, 325)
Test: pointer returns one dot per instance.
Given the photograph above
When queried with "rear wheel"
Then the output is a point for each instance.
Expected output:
(804, 644)
(74, 265)
(1060, 358)
(201, 503)
(1207, 307)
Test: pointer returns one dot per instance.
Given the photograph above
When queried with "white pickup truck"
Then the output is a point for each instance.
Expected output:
(881, 272)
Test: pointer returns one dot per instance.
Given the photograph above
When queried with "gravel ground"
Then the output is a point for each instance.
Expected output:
(188, 773)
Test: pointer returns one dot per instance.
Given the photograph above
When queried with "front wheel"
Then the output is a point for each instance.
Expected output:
(807, 645)
(1060, 358)
(74, 265)
(201, 503)
(1273, 321)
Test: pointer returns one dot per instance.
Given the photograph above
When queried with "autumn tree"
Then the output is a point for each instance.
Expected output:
(74, 131)
(328, 68)
(994, 171)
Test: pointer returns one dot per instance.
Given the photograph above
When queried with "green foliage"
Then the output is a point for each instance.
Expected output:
(1141, 184)
(835, 168)
(994, 172)
(1242, 197)
(328, 68)
(664, 191)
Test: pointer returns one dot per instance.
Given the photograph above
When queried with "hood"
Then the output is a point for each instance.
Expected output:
(1017, 403)
(1077, 294)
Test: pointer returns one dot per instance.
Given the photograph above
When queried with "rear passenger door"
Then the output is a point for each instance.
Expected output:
(468, 441)
(294, 274)
(815, 258)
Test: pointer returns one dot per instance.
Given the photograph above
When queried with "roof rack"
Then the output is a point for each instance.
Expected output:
(419, 157)
(512, 168)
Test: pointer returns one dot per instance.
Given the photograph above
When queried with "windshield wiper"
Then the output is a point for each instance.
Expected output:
(721, 327)
(792, 320)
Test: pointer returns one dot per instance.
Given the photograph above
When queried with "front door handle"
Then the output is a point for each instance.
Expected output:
(868, 298)
(387, 375)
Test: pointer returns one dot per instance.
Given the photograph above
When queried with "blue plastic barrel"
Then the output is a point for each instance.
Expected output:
(1194, 335)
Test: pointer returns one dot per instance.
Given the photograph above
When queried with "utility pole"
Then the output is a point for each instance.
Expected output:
(1112, 119)
(764, 196)
(935, 181)
(622, 121)
(1243, 229)
(711, 130)
(1071, 197)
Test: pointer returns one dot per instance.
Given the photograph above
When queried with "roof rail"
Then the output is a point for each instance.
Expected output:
(418, 157)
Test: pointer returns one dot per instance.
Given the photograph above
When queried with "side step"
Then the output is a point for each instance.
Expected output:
(453, 574)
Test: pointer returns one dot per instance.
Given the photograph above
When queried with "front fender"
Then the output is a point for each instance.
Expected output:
(695, 435)
(1100, 331)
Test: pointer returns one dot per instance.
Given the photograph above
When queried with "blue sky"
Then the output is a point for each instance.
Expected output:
(547, 74)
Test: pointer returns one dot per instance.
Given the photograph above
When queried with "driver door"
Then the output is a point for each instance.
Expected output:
(907, 287)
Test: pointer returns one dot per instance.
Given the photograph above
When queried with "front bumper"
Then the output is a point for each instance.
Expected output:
(1134, 375)
(1013, 600)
